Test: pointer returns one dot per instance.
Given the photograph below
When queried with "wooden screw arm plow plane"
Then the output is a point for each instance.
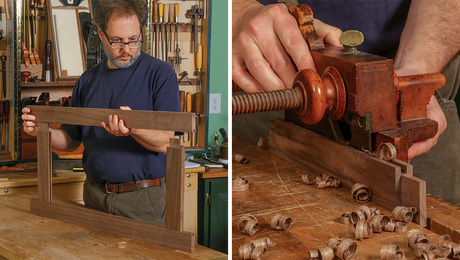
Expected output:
(366, 106)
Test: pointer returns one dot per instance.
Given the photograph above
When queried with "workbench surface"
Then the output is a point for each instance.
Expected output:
(276, 186)
(26, 236)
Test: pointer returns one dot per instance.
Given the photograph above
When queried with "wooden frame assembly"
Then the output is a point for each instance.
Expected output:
(392, 183)
(170, 236)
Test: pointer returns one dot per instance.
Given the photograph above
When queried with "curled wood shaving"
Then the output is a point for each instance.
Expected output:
(361, 230)
(264, 242)
(404, 214)
(248, 224)
(245, 250)
(400, 227)
(346, 249)
(391, 252)
(456, 251)
(389, 227)
(239, 184)
(240, 158)
(346, 218)
(379, 222)
(386, 151)
(280, 222)
(325, 253)
(255, 248)
(322, 181)
(334, 243)
(361, 192)
(415, 236)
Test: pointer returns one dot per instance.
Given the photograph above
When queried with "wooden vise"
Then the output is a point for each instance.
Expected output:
(172, 235)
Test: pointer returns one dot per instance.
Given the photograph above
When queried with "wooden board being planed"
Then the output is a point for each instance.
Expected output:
(321, 155)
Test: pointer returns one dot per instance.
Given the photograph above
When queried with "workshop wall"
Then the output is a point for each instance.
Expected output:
(218, 64)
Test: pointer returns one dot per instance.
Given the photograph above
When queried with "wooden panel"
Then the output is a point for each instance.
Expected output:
(175, 165)
(103, 221)
(314, 152)
(168, 121)
(413, 194)
(44, 163)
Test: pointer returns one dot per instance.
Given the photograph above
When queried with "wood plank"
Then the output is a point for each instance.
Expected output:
(443, 218)
(316, 153)
(413, 194)
(44, 176)
(114, 224)
(157, 120)
(175, 165)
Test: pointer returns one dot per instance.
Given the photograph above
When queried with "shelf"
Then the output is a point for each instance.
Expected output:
(43, 84)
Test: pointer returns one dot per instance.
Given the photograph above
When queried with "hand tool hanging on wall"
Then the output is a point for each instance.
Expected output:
(25, 52)
(48, 61)
(189, 109)
(182, 99)
(176, 21)
(155, 21)
(7, 116)
(171, 21)
(3, 59)
(195, 12)
(165, 20)
(2, 113)
(160, 14)
(35, 33)
(29, 35)
(199, 65)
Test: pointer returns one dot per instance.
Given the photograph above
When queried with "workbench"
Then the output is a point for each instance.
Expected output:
(26, 236)
(276, 187)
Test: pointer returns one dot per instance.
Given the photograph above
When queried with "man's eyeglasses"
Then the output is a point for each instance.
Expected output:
(121, 45)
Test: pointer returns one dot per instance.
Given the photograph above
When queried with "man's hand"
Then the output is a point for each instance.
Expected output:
(268, 48)
(433, 112)
(116, 126)
(30, 127)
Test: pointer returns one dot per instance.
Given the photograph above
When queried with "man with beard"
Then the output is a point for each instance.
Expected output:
(125, 167)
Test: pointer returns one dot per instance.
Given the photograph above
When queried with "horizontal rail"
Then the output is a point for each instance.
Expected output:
(140, 119)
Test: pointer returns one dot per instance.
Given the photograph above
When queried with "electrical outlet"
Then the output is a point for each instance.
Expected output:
(214, 103)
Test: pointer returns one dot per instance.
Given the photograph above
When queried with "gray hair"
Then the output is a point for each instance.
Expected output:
(105, 8)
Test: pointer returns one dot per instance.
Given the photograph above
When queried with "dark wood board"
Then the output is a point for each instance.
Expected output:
(168, 121)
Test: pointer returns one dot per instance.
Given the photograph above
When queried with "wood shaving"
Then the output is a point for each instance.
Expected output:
(280, 222)
(240, 158)
(323, 181)
(391, 252)
(361, 192)
(248, 224)
(255, 248)
(239, 184)
(404, 214)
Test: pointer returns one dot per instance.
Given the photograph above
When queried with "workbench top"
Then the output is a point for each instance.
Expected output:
(26, 236)
(276, 187)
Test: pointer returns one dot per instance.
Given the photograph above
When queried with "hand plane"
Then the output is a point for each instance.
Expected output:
(354, 97)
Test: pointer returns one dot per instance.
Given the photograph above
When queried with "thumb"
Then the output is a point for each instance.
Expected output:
(329, 33)
(125, 108)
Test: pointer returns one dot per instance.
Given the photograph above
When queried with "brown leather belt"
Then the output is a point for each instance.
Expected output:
(113, 187)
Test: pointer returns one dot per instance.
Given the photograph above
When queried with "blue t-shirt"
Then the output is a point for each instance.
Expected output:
(381, 21)
(148, 84)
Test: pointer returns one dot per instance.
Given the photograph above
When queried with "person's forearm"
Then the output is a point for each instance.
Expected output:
(61, 141)
(154, 140)
(431, 36)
